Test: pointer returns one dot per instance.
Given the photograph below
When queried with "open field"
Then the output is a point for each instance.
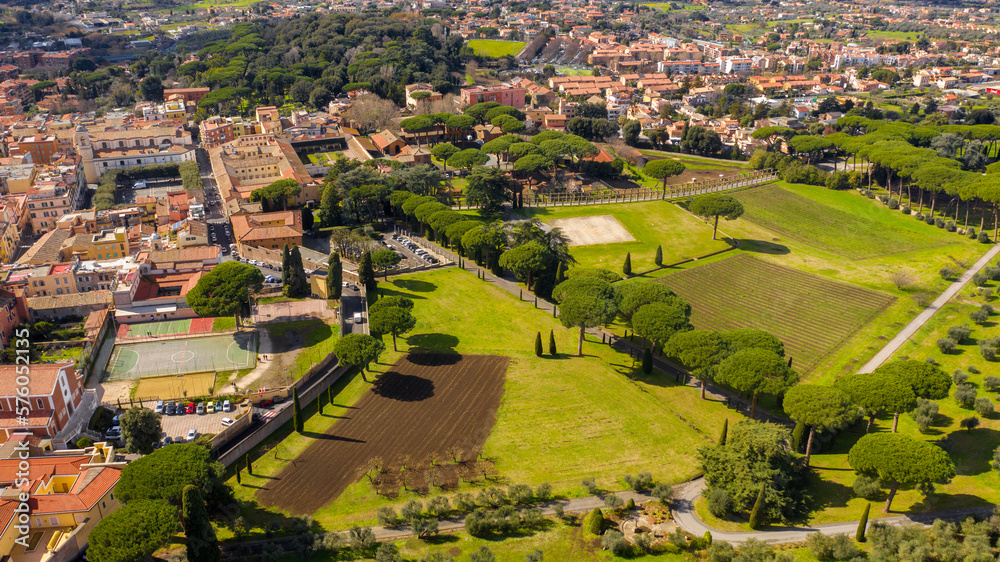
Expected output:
(179, 356)
(696, 162)
(586, 231)
(310, 340)
(650, 223)
(852, 235)
(810, 314)
(496, 48)
(422, 407)
(569, 71)
(561, 419)
(172, 386)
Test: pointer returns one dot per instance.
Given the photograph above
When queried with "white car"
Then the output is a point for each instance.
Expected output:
(192, 433)
(227, 406)
(227, 422)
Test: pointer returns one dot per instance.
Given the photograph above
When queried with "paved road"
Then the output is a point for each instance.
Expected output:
(895, 343)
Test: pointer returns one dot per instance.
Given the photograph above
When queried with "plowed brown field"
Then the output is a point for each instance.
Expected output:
(426, 405)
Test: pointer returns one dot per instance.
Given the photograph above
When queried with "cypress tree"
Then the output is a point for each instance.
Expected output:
(298, 282)
(238, 476)
(538, 344)
(725, 431)
(647, 361)
(758, 507)
(863, 524)
(552, 343)
(249, 465)
(366, 274)
(658, 260)
(285, 255)
(560, 273)
(334, 276)
(627, 268)
(297, 422)
(798, 435)
(596, 523)
(202, 544)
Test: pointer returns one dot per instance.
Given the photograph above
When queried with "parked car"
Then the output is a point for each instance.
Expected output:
(210, 408)
(227, 406)
(159, 407)
(265, 403)
(189, 409)
(170, 409)
(227, 422)
(168, 440)
(192, 433)
(358, 318)
(113, 433)
(115, 419)
(201, 408)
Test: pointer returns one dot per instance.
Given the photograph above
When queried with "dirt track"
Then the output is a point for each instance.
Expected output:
(426, 405)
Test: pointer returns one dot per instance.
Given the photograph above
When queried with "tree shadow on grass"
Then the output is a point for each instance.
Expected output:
(827, 494)
(435, 359)
(928, 509)
(438, 540)
(762, 247)
(416, 285)
(972, 450)
(434, 342)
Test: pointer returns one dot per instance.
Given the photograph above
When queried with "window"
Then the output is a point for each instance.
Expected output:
(105, 164)
(121, 144)
(58, 291)
(41, 404)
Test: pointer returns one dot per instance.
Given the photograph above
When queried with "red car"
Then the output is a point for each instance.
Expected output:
(189, 409)
(266, 403)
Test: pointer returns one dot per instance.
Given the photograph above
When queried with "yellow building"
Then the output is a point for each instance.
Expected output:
(68, 493)
(268, 230)
(109, 244)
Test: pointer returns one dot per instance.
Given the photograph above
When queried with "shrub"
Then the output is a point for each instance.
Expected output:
(616, 543)
(866, 487)
(720, 551)
(439, 506)
(946, 273)
(905, 209)
(893, 203)
(84, 442)
(960, 377)
(663, 492)
(929, 219)
(412, 510)
(830, 548)
(544, 491)
(931, 360)
(939, 222)
(678, 538)
(591, 486)
(980, 279)
(970, 423)
(639, 483)
(965, 395)
(719, 502)
(387, 516)
(979, 316)
(919, 216)
(520, 494)
(924, 413)
(950, 226)
(988, 352)
(984, 238)
(971, 233)
(993, 273)
(987, 293)
(559, 510)
(613, 502)
(630, 504)
(532, 518)
(464, 502)
(959, 333)
(594, 521)
(946, 345)
(990, 384)
(972, 369)
(984, 407)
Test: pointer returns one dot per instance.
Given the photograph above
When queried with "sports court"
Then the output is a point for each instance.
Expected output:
(166, 328)
(174, 357)
(600, 229)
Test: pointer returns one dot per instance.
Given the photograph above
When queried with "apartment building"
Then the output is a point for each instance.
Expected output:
(504, 94)
(129, 147)
(54, 393)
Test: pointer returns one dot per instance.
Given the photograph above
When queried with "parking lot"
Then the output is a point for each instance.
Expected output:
(177, 426)
(409, 250)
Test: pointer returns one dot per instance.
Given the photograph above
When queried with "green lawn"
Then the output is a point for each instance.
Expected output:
(561, 420)
(223, 323)
(495, 48)
(697, 162)
(860, 232)
(893, 35)
(567, 71)
(651, 223)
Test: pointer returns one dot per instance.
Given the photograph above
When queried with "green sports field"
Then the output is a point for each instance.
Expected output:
(176, 357)
(495, 48)
(159, 328)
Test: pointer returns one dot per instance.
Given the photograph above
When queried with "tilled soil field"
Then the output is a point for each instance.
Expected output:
(428, 406)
